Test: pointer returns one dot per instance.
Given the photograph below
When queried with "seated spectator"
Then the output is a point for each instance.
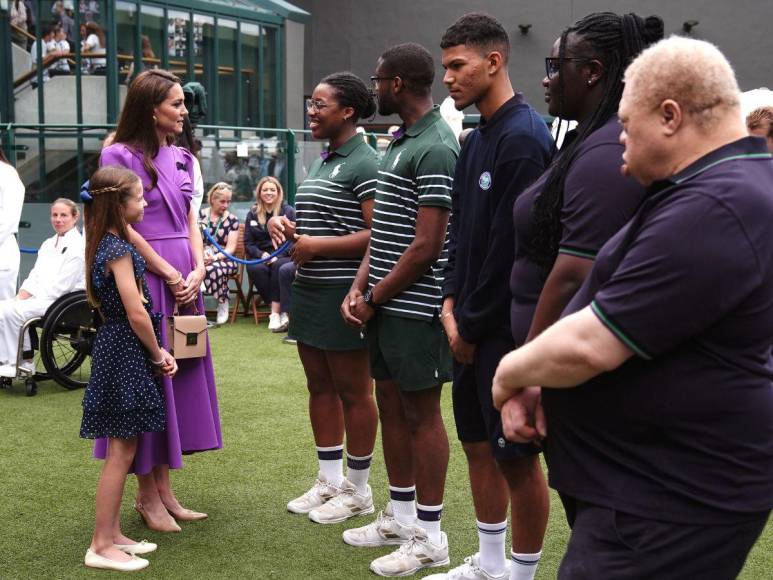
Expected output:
(223, 226)
(59, 48)
(273, 279)
(760, 123)
(47, 44)
(59, 269)
(93, 43)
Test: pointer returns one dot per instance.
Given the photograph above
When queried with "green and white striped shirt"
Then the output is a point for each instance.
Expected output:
(417, 170)
(328, 204)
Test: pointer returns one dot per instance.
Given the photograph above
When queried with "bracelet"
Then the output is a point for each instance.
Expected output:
(177, 281)
(446, 314)
(157, 363)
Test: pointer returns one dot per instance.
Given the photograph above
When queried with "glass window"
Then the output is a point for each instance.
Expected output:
(204, 57)
(153, 35)
(226, 38)
(126, 28)
(177, 43)
(268, 82)
(250, 34)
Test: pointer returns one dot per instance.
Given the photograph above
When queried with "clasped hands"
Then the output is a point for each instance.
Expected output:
(281, 229)
(523, 419)
(168, 364)
(187, 290)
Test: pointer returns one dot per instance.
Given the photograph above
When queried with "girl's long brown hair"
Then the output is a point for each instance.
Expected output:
(109, 187)
(136, 127)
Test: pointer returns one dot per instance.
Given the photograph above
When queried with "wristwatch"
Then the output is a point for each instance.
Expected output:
(368, 298)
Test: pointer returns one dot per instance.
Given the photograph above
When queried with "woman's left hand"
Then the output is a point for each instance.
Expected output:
(191, 287)
(303, 249)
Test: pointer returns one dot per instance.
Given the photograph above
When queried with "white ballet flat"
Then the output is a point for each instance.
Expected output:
(143, 547)
(94, 560)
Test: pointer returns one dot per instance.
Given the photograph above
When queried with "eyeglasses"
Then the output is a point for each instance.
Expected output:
(312, 105)
(374, 80)
(553, 64)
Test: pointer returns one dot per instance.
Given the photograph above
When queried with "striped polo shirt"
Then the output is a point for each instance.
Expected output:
(327, 204)
(417, 170)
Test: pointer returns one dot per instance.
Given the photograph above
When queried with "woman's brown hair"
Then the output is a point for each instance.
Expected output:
(94, 28)
(106, 192)
(136, 126)
(260, 209)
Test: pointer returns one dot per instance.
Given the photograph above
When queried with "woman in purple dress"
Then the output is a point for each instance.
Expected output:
(170, 242)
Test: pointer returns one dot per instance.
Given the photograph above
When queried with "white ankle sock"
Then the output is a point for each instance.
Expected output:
(491, 539)
(403, 504)
(524, 566)
(358, 470)
(428, 517)
(331, 463)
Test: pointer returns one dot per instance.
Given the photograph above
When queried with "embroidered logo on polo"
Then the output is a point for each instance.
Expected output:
(397, 159)
(484, 181)
(336, 170)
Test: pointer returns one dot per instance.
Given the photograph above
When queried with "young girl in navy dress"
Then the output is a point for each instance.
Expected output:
(122, 399)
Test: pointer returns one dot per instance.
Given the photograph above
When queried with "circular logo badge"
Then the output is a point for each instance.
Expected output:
(484, 180)
(501, 441)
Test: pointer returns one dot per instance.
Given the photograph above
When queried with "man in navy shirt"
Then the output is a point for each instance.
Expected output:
(663, 453)
(505, 154)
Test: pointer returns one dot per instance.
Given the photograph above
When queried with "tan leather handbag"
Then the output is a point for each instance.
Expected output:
(187, 334)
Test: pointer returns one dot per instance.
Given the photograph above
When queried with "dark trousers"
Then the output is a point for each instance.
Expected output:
(274, 281)
(609, 544)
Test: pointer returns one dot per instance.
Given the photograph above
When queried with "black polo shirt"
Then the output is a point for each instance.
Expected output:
(598, 200)
(683, 432)
(499, 159)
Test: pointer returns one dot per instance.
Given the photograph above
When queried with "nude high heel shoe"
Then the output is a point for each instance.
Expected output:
(157, 526)
(186, 515)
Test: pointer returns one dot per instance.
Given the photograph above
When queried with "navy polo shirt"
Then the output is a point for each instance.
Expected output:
(499, 159)
(682, 432)
(597, 202)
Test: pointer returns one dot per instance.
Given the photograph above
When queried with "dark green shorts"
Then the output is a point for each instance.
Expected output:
(414, 353)
(316, 318)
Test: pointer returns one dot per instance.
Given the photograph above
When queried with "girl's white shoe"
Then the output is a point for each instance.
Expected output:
(94, 560)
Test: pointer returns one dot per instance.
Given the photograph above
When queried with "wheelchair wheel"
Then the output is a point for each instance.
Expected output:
(66, 341)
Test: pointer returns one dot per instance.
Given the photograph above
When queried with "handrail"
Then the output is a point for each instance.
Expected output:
(23, 32)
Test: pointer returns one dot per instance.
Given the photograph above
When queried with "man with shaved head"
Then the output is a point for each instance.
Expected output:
(656, 384)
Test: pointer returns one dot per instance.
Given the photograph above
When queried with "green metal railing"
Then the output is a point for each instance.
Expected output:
(14, 135)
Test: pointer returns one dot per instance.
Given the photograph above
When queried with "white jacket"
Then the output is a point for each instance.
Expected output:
(60, 267)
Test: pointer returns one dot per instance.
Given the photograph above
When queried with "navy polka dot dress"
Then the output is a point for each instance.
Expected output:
(122, 399)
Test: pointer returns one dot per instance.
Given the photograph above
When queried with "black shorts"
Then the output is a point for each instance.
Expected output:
(610, 544)
(474, 413)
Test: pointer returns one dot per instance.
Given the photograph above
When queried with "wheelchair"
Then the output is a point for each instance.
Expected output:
(61, 342)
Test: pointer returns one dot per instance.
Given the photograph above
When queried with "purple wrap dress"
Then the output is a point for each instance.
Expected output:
(192, 417)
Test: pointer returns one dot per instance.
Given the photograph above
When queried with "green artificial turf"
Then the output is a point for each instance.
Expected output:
(48, 480)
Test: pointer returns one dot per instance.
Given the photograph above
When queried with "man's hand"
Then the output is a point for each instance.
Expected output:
(303, 250)
(463, 351)
(347, 307)
(362, 311)
(523, 419)
(280, 229)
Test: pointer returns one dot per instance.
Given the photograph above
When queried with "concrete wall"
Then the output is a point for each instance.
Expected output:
(350, 34)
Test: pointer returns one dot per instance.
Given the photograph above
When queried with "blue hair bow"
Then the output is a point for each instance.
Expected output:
(85, 195)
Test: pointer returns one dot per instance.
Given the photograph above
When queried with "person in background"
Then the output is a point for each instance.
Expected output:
(60, 48)
(94, 43)
(760, 124)
(18, 13)
(223, 226)
(59, 269)
(273, 279)
(11, 203)
(187, 140)
(47, 45)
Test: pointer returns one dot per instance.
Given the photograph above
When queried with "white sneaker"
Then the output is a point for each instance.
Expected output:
(8, 371)
(222, 312)
(320, 493)
(284, 322)
(345, 505)
(385, 531)
(417, 553)
(471, 570)
(274, 322)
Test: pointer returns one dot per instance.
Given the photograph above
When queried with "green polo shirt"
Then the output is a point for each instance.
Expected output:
(327, 204)
(417, 170)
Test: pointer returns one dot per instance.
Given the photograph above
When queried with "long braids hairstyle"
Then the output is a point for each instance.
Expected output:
(103, 195)
(615, 41)
(136, 126)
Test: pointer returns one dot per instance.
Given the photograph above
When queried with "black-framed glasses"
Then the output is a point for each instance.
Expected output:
(374, 80)
(553, 63)
(312, 105)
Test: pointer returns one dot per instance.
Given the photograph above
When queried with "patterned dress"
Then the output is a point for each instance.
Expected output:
(217, 272)
(123, 398)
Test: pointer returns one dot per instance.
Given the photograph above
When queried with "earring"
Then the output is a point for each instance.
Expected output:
(155, 119)
(590, 82)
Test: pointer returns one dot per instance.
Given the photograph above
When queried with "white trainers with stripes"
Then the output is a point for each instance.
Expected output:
(471, 570)
(385, 531)
(321, 492)
(345, 505)
(414, 555)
